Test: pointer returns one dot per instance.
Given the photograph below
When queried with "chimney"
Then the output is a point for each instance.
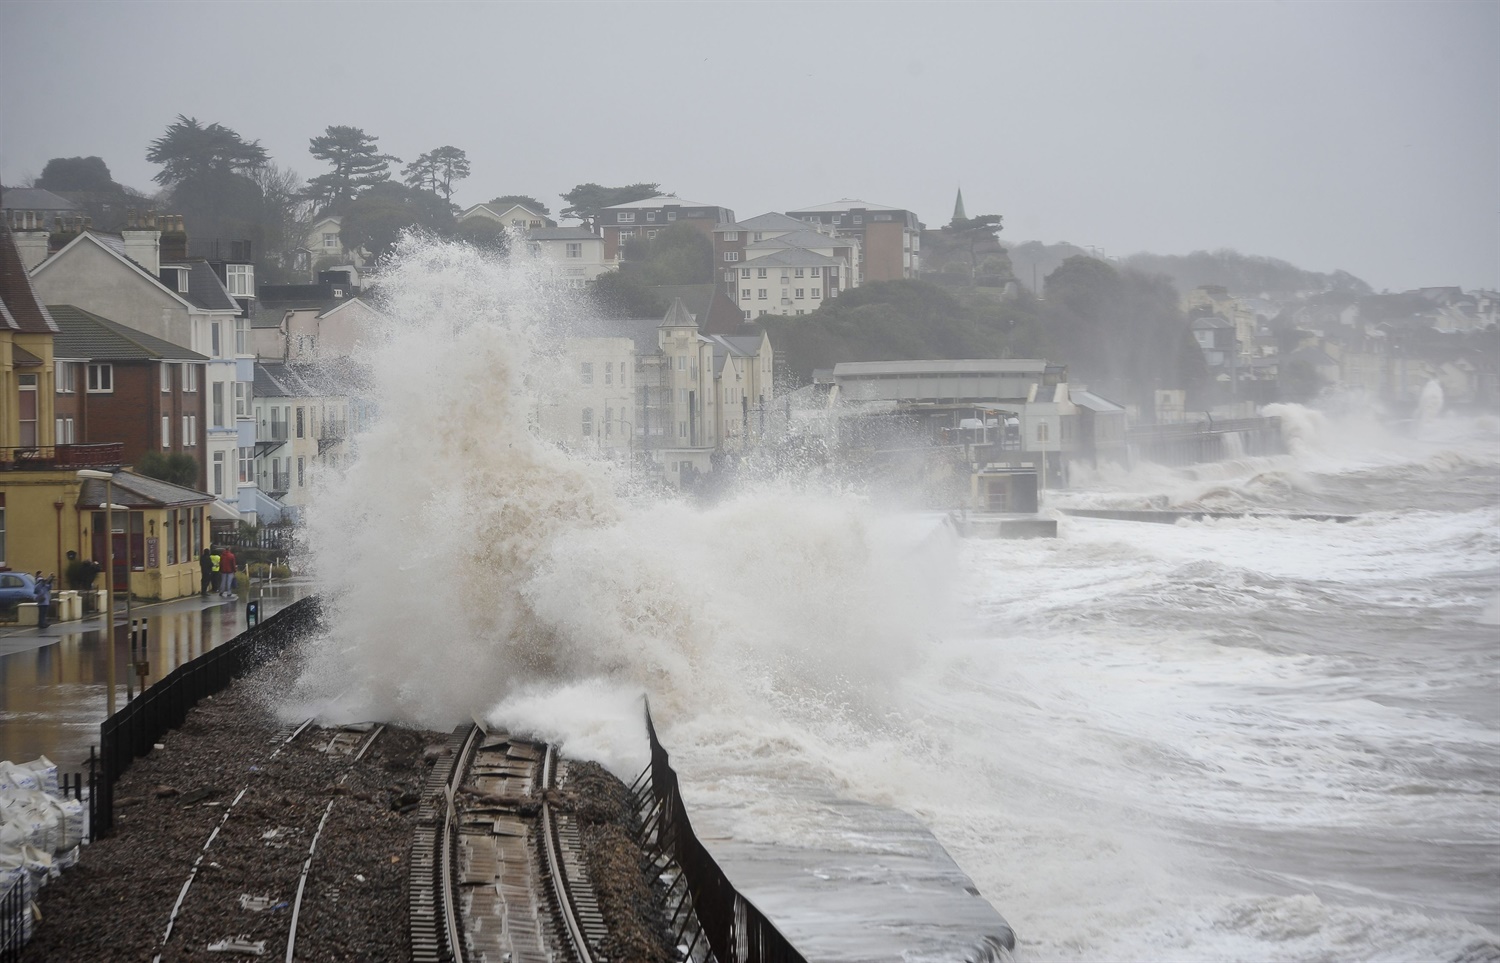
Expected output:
(143, 241)
(32, 246)
(174, 240)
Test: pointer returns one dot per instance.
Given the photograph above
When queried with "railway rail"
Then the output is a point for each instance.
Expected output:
(497, 870)
(234, 852)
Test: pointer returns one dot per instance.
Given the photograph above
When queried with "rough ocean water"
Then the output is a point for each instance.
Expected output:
(1236, 739)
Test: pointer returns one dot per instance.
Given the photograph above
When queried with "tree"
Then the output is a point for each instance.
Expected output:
(977, 235)
(623, 294)
(436, 171)
(377, 218)
(76, 174)
(190, 151)
(586, 200)
(499, 204)
(177, 467)
(357, 166)
(483, 233)
(286, 216)
(678, 254)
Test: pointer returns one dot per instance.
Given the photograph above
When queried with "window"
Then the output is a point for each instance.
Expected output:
(799, 272)
(744, 272)
(671, 215)
(731, 235)
(747, 315)
(65, 432)
(858, 219)
(682, 362)
(216, 413)
(218, 479)
(729, 276)
(588, 422)
(817, 293)
(575, 248)
(627, 234)
(1041, 431)
(682, 429)
(242, 399)
(239, 280)
(651, 215)
(625, 217)
(247, 466)
(169, 535)
(744, 294)
(166, 377)
(189, 377)
(301, 463)
(166, 431)
(760, 294)
(242, 335)
(330, 240)
(101, 378)
(801, 292)
(189, 431)
(586, 373)
(731, 255)
(650, 234)
(609, 422)
(760, 235)
(609, 372)
(215, 339)
(760, 272)
(300, 426)
(67, 378)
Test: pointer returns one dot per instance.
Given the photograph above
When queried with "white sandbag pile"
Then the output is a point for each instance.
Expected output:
(40, 830)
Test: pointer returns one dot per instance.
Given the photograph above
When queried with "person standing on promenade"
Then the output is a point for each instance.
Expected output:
(206, 567)
(42, 592)
(227, 566)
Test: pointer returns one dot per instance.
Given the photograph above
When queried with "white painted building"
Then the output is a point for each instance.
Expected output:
(577, 252)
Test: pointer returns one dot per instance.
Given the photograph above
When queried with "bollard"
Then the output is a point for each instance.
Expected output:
(252, 612)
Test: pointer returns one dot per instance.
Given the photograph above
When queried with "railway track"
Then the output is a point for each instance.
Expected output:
(270, 866)
(497, 871)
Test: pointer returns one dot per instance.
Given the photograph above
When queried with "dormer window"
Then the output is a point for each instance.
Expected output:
(239, 279)
(175, 278)
(625, 217)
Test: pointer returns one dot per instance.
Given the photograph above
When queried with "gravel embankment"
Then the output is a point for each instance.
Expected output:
(116, 903)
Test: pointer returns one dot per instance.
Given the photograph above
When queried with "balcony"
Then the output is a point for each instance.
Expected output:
(269, 436)
(280, 483)
(62, 457)
(331, 433)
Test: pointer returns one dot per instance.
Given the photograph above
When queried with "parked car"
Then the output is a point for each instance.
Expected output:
(15, 588)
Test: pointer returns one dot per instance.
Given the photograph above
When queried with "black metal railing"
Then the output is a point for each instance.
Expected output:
(133, 730)
(734, 928)
(62, 457)
(13, 919)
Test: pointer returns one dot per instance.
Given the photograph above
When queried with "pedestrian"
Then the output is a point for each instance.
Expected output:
(227, 567)
(206, 567)
(214, 560)
(42, 592)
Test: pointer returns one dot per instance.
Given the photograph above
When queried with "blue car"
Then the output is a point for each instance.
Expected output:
(15, 588)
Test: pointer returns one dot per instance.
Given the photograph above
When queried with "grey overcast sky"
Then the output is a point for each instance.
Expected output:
(1362, 136)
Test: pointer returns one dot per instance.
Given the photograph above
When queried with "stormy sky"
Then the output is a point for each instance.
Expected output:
(1362, 136)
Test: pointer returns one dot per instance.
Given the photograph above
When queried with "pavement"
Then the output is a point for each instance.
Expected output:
(55, 682)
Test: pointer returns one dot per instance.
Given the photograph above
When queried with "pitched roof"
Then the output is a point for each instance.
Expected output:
(793, 257)
(20, 310)
(847, 204)
(84, 335)
(803, 238)
(678, 316)
(660, 200)
(138, 491)
(205, 290)
(34, 199)
(773, 221)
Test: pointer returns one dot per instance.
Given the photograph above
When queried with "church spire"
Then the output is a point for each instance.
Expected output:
(958, 207)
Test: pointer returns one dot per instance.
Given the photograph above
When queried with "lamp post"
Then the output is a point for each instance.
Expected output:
(109, 575)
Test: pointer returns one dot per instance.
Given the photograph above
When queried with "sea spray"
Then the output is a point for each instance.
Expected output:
(465, 561)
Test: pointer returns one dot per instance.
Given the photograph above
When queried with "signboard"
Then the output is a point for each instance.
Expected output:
(152, 559)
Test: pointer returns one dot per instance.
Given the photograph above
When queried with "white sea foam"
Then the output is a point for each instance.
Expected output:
(1127, 735)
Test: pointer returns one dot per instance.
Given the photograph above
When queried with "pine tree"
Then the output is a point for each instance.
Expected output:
(357, 166)
(436, 171)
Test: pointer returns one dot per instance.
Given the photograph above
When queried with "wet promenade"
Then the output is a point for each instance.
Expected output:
(54, 682)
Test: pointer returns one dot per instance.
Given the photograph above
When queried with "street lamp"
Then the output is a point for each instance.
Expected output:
(109, 574)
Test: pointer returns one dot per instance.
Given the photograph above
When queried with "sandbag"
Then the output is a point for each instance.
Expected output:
(69, 821)
(46, 771)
